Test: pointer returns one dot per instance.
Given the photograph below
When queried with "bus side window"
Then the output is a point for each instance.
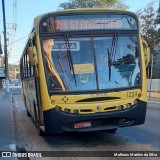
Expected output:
(31, 67)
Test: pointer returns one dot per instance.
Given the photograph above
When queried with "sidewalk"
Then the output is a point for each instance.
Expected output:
(154, 94)
(6, 132)
(154, 97)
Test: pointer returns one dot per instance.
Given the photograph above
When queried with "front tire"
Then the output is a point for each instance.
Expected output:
(28, 114)
(40, 131)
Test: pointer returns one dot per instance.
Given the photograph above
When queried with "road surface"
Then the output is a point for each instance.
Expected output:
(145, 137)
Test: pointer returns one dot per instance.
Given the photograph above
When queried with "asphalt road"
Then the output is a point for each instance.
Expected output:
(145, 137)
(149, 132)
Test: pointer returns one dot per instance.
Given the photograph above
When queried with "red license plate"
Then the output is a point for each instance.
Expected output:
(82, 125)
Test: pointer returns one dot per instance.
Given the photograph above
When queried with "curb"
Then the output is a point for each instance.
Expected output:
(12, 146)
(12, 117)
(153, 94)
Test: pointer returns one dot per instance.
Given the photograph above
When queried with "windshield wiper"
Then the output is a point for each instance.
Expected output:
(114, 46)
(109, 64)
(95, 62)
(112, 53)
(70, 58)
(58, 58)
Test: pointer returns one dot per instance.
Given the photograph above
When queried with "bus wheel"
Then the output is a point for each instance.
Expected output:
(112, 130)
(28, 114)
(40, 132)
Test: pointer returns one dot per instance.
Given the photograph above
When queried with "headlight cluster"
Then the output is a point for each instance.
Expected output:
(76, 111)
(128, 105)
(66, 110)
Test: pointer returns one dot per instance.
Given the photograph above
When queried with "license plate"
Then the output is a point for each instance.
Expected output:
(82, 125)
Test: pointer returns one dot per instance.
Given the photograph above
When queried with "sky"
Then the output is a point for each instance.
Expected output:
(27, 10)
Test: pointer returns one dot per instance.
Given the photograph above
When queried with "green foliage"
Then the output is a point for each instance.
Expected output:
(149, 25)
(150, 31)
(73, 4)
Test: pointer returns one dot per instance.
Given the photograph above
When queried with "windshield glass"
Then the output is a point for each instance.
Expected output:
(92, 63)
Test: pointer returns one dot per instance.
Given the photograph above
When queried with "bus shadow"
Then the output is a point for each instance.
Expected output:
(85, 139)
(76, 140)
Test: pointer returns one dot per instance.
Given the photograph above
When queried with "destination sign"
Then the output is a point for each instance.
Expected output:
(87, 22)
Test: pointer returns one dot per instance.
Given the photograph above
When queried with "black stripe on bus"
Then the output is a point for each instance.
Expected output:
(98, 99)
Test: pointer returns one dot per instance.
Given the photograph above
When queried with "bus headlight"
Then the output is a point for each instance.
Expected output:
(120, 107)
(57, 108)
(66, 110)
(128, 105)
(75, 111)
(136, 101)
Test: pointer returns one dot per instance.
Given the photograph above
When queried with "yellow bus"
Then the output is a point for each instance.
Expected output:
(85, 70)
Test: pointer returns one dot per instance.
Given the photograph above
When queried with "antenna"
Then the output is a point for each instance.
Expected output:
(159, 10)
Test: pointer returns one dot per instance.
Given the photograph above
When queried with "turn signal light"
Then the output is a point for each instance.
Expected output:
(53, 102)
(139, 95)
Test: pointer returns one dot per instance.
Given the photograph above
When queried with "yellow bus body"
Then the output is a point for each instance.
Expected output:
(90, 104)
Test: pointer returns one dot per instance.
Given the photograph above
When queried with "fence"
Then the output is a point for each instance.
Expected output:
(153, 85)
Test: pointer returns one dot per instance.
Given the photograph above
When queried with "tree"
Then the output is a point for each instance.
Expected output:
(149, 31)
(73, 4)
(148, 25)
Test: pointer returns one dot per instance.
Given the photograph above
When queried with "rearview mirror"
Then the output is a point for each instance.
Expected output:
(146, 50)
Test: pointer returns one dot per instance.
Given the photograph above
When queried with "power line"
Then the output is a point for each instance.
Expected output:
(14, 24)
(17, 40)
(14, 55)
(5, 48)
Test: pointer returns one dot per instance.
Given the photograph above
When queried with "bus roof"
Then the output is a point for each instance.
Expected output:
(76, 11)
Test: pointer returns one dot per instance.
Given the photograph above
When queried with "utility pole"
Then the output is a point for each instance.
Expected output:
(159, 10)
(1, 52)
(5, 48)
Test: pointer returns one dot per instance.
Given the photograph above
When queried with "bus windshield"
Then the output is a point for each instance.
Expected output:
(92, 63)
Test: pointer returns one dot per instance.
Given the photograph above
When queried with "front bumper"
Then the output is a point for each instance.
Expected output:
(58, 122)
